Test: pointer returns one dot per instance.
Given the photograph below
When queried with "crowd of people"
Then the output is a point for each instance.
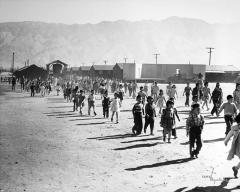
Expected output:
(150, 104)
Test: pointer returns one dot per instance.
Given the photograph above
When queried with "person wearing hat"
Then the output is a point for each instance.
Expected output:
(230, 110)
(150, 113)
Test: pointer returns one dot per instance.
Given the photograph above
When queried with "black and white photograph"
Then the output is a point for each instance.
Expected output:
(119, 95)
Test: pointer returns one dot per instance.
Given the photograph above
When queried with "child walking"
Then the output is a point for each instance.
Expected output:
(115, 107)
(167, 120)
(174, 132)
(137, 112)
(81, 98)
(235, 148)
(194, 126)
(150, 113)
(230, 110)
(206, 94)
(187, 91)
(91, 103)
(121, 94)
(105, 104)
(160, 100)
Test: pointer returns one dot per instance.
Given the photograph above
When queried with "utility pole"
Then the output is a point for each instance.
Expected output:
(105, 61)
(156, 56)
(12, 67)
(210, 54)
(125, 59)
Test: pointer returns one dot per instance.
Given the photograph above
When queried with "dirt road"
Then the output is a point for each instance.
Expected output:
(45, 147)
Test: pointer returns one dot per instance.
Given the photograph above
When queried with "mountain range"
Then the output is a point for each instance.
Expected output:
(177, 40)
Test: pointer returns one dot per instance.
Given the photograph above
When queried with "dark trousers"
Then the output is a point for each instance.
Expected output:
(32, 93)
(229, 122)
(75, 105)
(215, 107)
(195, 136)
(149, 121)
(138, 124)
(187, 101)
(174, 132)
(13, 87)
(105, 112)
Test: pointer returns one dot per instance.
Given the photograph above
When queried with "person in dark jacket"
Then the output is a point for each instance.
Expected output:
(106, 104)
(150, 113)
(197, 91)
(216, 99)
(137, 112)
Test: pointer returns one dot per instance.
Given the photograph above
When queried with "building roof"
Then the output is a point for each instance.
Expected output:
(75, 68)
(22, 68)
(26, 67)
(103, 67)
(221, 68)
(121, 64)
(57, 61)
(85, 68)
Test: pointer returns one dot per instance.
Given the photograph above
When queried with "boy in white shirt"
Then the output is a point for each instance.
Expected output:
(230, 110)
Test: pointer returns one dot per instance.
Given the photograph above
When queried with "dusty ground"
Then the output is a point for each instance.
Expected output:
(45, 147)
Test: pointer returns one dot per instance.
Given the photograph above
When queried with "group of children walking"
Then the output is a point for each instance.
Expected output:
(145, 106)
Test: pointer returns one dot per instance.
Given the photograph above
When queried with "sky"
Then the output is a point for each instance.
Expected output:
(95, 11)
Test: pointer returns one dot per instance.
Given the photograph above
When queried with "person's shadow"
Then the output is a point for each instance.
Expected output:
(219, 188)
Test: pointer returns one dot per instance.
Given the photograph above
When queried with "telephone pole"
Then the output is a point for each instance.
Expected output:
(210, 54)
(12, 67)
(156, 56)
(125, 59)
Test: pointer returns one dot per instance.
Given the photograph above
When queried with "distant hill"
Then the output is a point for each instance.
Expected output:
(178, 40)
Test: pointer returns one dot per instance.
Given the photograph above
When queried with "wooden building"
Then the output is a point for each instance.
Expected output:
(31, 72)
(101, 71)
(221, 73)
(167, 72)
(118, 71)
(124, 71)
(85, 71)
(57, 68)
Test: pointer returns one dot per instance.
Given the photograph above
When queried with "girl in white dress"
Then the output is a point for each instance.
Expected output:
(115, 106)
(160, 100)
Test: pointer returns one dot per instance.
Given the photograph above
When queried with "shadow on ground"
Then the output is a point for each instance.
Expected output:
(206, 141)
(120, 136)
(138, 146)
(139, 140)
(219, 188)
(171, 162)
(95, 123)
